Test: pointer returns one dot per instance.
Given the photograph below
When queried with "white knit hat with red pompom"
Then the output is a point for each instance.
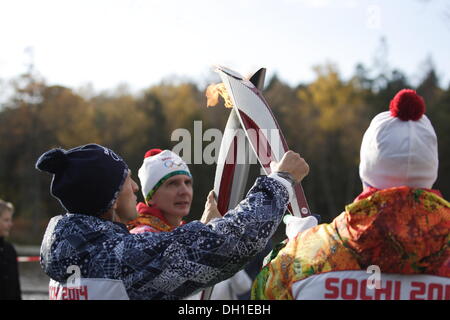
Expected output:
(400, 146)
(158, 166)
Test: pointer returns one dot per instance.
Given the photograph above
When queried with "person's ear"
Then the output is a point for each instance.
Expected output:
(115, 217)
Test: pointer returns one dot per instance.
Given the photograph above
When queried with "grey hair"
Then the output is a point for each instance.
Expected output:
(6, 206)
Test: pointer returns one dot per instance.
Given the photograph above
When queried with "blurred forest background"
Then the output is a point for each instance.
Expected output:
(323, 120)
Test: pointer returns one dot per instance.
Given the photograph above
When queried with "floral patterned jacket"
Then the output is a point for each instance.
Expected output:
(402, 231)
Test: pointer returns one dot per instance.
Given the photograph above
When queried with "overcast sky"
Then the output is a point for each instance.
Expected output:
(140, 42)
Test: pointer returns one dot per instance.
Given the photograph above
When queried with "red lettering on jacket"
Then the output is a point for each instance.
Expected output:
(386, 291)
(435, 287)
(64, 294)
(349, 289)
(53, 293)
(398, 289)
(84, 292)
(420, 290)
(69, 293)
(364, 296)
(333, 289)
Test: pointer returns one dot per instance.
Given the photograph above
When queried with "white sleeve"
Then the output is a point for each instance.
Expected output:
(285, 183)
(241, 282)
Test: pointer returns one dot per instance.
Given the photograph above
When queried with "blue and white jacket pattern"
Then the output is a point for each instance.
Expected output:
(167, 265)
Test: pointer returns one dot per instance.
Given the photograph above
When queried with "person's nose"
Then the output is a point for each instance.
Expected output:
(135, 186)
(183, 189)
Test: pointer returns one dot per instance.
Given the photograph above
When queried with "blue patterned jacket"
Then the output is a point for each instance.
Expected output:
(167, 265)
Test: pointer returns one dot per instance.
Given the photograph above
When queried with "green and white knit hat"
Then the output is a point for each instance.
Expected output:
(158, 166)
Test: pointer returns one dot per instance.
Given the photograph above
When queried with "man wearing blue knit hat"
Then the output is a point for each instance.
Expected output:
(94, 185)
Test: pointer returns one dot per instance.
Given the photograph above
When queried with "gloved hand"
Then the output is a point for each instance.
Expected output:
(294, 225)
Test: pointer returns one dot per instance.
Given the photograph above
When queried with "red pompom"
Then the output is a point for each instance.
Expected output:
(152, 152)
(407, 105)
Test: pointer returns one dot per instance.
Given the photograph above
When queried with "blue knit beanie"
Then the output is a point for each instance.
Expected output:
(86, 179)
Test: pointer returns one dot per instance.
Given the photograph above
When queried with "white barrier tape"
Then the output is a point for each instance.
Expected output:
(28, 259)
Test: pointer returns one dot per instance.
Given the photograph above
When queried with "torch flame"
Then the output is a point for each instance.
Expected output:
(212, 95)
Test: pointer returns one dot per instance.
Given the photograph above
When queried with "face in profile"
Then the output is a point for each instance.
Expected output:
(174, 196)
(5, 223)
(126, 202)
